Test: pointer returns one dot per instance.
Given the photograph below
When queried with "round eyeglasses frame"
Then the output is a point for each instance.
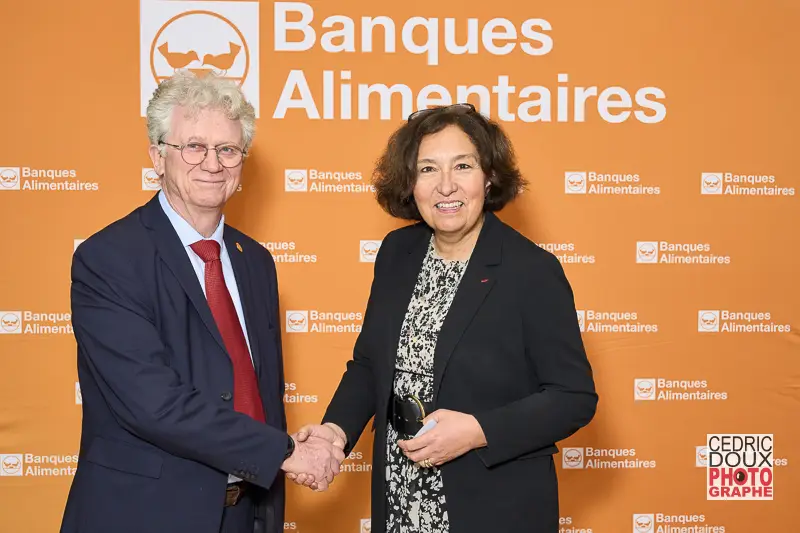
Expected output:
(193, 158)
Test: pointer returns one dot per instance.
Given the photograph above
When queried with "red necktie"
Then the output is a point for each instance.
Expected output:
(246, 398)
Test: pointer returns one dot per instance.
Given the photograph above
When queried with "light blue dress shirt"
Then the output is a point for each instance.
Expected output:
(188, 236)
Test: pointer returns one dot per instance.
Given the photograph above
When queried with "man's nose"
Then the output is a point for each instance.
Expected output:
(211, 162)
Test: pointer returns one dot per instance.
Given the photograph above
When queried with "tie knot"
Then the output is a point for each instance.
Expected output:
(207, 249)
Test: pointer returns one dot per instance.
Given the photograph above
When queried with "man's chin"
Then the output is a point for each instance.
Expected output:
(210, 199)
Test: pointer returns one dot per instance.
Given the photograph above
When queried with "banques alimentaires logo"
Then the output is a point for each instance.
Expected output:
(200, 37)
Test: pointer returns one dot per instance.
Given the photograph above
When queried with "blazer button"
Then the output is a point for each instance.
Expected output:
(226, 396)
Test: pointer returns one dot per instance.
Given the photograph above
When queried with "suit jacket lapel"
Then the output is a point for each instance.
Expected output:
(475, 285)
(242, 274)
(171, 250)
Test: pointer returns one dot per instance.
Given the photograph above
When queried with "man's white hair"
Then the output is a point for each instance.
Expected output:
(194, 93)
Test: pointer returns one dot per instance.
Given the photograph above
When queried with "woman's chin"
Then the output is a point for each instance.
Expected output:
(451, 223)
(448, 227)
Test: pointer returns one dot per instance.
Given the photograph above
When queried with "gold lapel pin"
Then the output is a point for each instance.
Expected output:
(239, 247)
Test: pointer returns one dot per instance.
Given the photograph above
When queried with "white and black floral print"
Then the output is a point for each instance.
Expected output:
(414, 495)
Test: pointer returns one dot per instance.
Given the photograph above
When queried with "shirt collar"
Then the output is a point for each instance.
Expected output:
(187, 234)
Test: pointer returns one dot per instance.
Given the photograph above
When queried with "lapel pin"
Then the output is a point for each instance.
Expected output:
(484, 280)
(239, 247)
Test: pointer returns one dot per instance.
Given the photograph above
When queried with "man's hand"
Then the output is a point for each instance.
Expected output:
(329, 432)
(316, 458)
(454, 435)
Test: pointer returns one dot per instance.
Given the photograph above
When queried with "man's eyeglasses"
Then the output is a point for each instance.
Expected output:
(424, 112)
(228, 155)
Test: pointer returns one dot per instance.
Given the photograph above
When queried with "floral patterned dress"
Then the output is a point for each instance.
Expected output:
(414, 495)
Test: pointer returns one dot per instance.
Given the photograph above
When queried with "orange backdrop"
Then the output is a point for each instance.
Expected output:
(659, 142)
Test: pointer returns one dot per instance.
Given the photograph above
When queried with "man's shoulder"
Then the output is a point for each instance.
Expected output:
(121, 255)
(126, 236)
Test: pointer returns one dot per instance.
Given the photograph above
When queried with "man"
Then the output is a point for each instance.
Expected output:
(179, 356)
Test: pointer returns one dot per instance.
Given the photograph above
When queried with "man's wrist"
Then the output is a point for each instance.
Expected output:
(290, 446)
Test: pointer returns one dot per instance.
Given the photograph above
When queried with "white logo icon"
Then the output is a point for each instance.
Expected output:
(643, 523)
(366, 525)
(369, 250)
(296, 180)
(575, 182)
(11, 464)
(644, 389)
(78, 395)
(9, 179)
(10, 322)
(150, 180)
(582, 320)
(701, 456)
(201, 37)
(572, 458)
(647, 252)
(707, 321)
(297, 321)
(711, 183)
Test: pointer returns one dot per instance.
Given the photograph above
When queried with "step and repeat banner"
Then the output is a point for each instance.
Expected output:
(659, 140)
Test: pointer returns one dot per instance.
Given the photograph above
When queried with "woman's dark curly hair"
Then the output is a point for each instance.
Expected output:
(396, 170)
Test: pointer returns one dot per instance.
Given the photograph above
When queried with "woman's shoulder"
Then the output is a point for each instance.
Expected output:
(530, 265)
(531, 269)
(523, 249)
(405, 235)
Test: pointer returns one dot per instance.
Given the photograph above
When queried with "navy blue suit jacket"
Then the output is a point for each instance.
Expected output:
(159, 434)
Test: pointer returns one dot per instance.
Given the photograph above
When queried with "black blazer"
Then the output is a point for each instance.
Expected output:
(159, 434)
(509, 352)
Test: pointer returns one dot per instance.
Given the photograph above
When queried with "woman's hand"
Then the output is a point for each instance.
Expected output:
(454, 435)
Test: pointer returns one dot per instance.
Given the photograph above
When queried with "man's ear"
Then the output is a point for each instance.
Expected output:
(158, 161)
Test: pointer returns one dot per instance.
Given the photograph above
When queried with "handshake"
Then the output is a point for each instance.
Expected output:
(318, 455)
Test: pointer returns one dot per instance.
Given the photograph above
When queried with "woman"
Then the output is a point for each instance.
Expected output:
(469, 324)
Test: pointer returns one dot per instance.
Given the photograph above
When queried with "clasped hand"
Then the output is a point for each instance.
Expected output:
(318, 456)
(454, 435)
